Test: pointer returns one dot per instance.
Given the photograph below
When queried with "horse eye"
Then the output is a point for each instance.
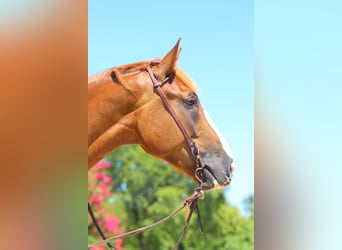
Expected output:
(191, 102)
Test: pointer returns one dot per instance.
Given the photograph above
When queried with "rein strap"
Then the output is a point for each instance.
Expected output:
(190, 201)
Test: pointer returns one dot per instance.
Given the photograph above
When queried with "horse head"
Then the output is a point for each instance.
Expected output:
(157, 132)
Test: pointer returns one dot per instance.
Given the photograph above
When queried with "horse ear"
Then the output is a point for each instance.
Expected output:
(167, 64)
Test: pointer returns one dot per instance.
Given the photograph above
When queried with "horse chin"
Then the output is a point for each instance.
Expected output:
(210, 182)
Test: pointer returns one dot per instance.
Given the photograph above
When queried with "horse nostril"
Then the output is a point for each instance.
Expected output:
(227, 181)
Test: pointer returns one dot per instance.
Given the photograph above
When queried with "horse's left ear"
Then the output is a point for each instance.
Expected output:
(167, 64)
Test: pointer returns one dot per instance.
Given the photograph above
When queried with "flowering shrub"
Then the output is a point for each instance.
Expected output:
(99, 187)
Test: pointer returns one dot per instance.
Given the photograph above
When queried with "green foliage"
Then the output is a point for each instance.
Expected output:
(148, 189)
(249, 204)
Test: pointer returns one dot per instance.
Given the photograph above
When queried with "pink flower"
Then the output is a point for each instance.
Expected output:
(95, 198)
(107, 179)
(102, 164)
(101, 175)
(104, 189)
(119, 242)
(111, 224)
(98, 248)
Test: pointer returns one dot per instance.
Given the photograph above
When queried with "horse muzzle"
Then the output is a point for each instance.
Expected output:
(216, 177)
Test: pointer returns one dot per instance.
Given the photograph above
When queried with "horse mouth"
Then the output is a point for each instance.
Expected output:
(211, 181)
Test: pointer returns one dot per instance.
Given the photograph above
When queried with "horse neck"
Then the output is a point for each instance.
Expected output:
(109, 126)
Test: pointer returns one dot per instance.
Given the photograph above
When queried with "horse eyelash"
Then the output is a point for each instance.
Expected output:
(191, 101)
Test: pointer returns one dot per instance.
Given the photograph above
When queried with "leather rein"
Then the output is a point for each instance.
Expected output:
(190, 201)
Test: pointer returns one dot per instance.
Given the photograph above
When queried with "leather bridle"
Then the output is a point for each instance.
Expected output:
(191, 143)
(192, 200)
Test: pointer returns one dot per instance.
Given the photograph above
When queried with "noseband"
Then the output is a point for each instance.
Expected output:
(191, 143)
(192, 200)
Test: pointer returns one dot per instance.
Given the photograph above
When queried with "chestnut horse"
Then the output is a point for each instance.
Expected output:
(123, 108)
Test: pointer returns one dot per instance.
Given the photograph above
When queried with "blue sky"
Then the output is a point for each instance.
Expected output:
(217, 52)
(298, 91)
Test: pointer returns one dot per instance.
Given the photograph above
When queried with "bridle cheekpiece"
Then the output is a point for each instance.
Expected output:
(191, 143)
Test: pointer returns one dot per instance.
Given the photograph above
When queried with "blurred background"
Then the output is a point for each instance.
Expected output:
(130, 189)
(297, 60)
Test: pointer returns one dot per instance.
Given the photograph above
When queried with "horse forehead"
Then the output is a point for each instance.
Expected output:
(223, 141)
(185, 79)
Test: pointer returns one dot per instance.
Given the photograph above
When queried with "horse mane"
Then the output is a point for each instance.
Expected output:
(133, 68)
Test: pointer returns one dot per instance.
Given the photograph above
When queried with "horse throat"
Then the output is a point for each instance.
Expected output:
(110, 119)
